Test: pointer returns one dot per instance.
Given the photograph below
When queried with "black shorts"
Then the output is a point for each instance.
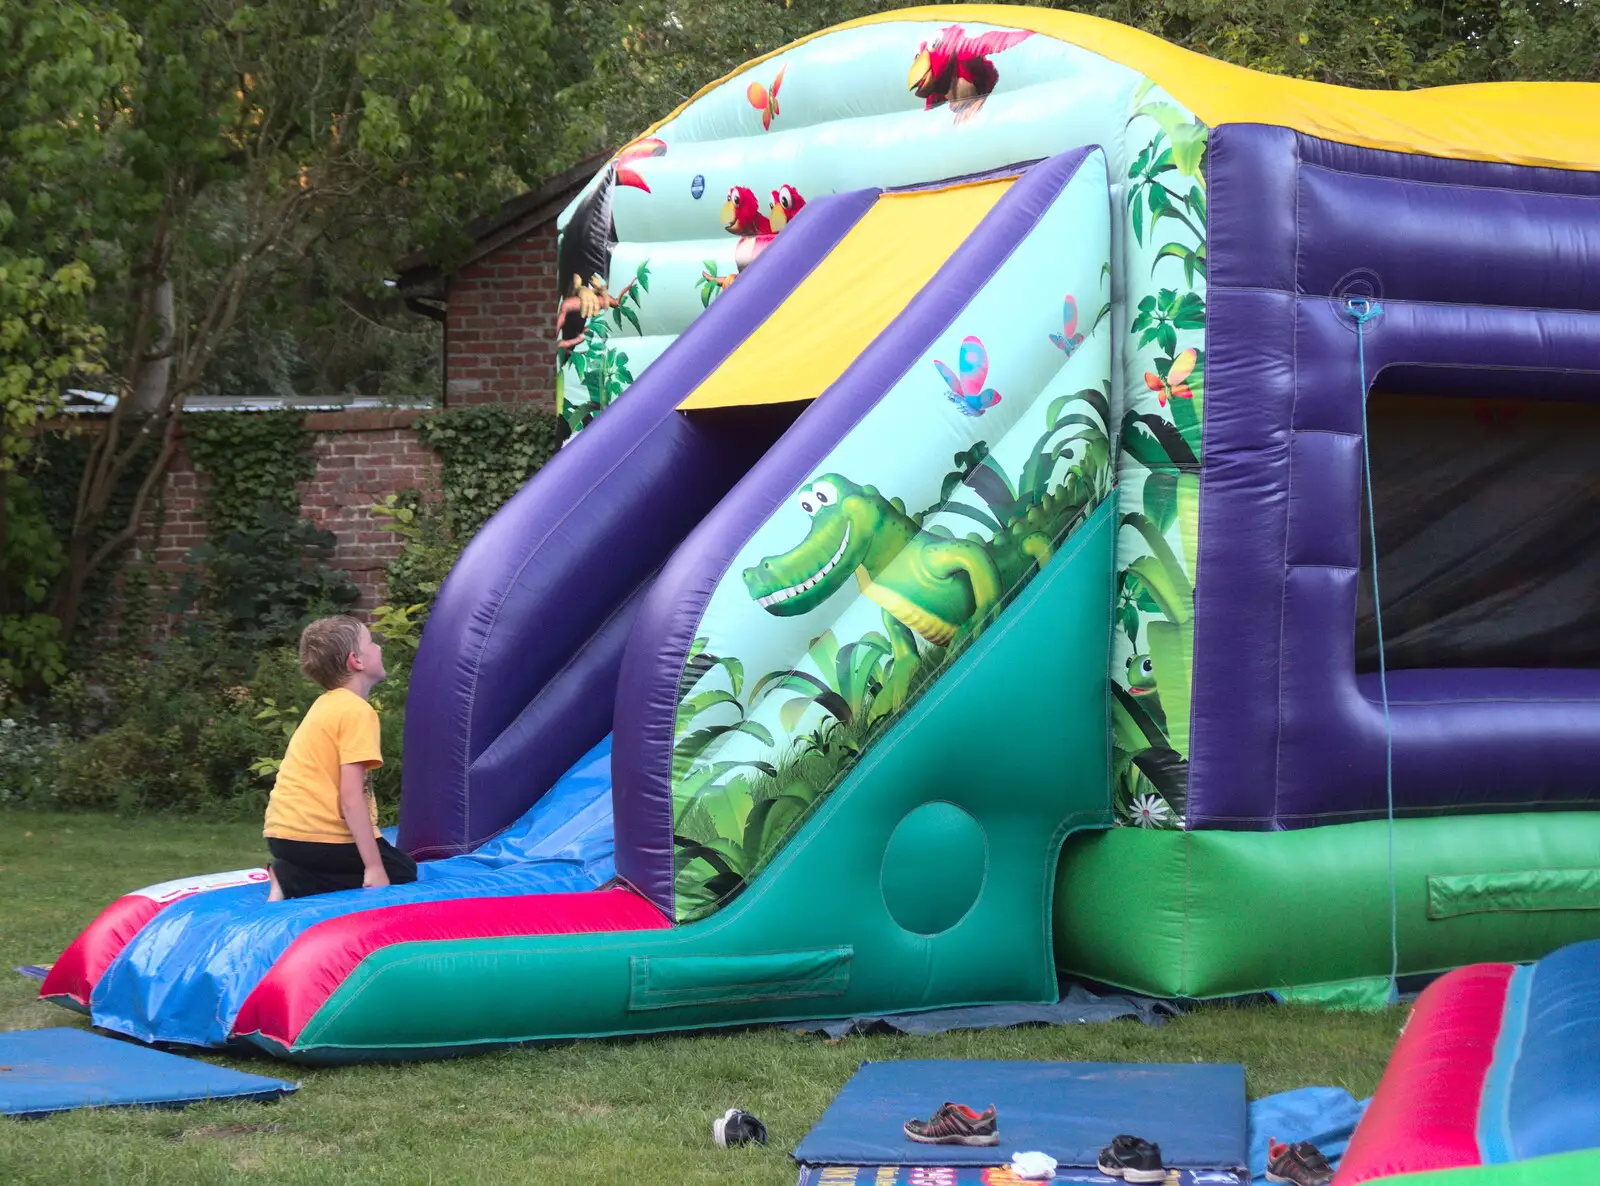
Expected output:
(304, 867)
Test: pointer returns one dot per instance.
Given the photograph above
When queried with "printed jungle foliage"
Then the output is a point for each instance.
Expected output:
(729, 825)
(689, 742)
(708, 286)
(600, 368)
(1161, 436)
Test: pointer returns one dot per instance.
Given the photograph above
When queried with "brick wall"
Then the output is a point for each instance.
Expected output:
(500, 325)
(360, 456)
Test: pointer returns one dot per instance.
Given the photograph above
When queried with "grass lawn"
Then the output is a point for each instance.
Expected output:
(602, 1112)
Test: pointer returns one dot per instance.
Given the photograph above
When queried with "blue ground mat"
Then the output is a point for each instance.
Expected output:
(1070, 1110)
(56, 1070)
(1325, 1116)
(972, 1175)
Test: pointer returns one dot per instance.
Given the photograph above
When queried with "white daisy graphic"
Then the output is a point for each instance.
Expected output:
(1149, 811)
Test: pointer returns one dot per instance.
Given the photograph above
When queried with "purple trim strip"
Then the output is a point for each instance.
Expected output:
(1283, 732)
(550, 570)
(658, 649)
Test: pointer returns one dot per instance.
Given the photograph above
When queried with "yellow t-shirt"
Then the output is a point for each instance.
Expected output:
(339, 728)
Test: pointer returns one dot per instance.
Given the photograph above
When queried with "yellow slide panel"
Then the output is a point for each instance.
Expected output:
(849, 298)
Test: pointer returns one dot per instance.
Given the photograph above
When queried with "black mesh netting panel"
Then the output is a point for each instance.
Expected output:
(1488, 513)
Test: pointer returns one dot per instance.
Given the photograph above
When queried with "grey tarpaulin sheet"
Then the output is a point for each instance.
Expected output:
(1077, 1006)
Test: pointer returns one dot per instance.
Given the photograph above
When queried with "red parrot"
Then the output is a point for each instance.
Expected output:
(741, 214)
(956, 68)
(786, 203)
(638, 150)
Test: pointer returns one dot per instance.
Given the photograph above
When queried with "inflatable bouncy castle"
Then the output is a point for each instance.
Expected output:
(991, 424)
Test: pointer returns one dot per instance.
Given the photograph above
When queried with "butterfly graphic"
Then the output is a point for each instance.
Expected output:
(1174, 385)
(765, 101)
(967, 391)
(1069, 339)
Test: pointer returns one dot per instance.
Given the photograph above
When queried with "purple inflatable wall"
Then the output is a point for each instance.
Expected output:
(1480, 268)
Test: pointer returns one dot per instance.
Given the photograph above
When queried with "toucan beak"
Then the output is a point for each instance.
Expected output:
(730, 216)
(921, 69)
(777, 216)
(630, 177)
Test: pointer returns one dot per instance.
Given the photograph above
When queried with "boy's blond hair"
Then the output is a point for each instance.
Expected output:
(325, 649)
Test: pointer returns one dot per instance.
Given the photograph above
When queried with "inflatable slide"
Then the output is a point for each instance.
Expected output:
(920, 372)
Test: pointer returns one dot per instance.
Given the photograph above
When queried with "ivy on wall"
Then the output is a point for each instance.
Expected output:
(263, 569)
(253, 459)
(486, 454)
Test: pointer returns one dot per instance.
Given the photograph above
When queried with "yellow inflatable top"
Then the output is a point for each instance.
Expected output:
(1522, 123)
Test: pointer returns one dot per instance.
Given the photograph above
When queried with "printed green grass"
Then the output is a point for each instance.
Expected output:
(593, 1112)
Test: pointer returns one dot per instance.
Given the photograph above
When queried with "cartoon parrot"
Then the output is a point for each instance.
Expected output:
(741, 213)
(956, 68)
(786, 203)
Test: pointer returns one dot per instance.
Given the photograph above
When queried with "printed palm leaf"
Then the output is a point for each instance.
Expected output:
(707, 285)
(1185, 136)
(1171, 645)
(700, 662)
(746, 833)
(1136, 734)
(1163, 578)
(1047, 450)
(1156, 443)
(1193, 259)
(689, 743)
(846, 684)
(976, 469)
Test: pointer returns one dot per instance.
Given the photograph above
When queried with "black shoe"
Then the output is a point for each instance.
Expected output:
(1300, 1164)
(1133, 1160)
(734, 1127)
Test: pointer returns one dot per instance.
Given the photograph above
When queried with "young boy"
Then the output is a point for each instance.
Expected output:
(322, 822)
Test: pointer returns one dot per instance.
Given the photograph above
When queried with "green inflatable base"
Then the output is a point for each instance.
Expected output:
(924, 880)
(1560, 1169)
(1209, 913)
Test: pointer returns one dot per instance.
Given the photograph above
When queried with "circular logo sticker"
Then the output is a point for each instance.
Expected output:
(698, 185)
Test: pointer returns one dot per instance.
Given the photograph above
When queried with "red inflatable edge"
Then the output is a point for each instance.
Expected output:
(1425, 1113)
(319, 961)
(72, 977)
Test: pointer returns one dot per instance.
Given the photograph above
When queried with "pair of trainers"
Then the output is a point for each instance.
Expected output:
(956, 1124)
(1133, 1159)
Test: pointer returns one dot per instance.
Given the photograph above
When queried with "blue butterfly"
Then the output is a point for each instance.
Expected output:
(1069, 339)
(967, 391)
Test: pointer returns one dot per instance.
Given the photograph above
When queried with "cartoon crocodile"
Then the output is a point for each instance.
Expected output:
(929, 583)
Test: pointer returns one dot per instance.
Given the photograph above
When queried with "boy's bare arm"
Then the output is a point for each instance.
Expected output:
(353, 806)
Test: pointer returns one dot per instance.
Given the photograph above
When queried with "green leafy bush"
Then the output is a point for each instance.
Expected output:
(31, 653)
(261, 582)
(177, 728)
(487, 453)
(30, 756)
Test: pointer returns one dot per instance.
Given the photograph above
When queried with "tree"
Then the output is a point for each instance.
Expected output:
(63, 63)
(254, 144)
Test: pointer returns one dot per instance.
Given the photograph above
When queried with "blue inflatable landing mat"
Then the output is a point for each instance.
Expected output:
(56, 1070)
(1070, 1110)
(973, 1175)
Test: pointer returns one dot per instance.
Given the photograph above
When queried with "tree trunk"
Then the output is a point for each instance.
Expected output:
(155, 368)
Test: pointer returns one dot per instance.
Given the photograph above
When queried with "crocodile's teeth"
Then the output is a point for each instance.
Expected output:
(810, 582)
